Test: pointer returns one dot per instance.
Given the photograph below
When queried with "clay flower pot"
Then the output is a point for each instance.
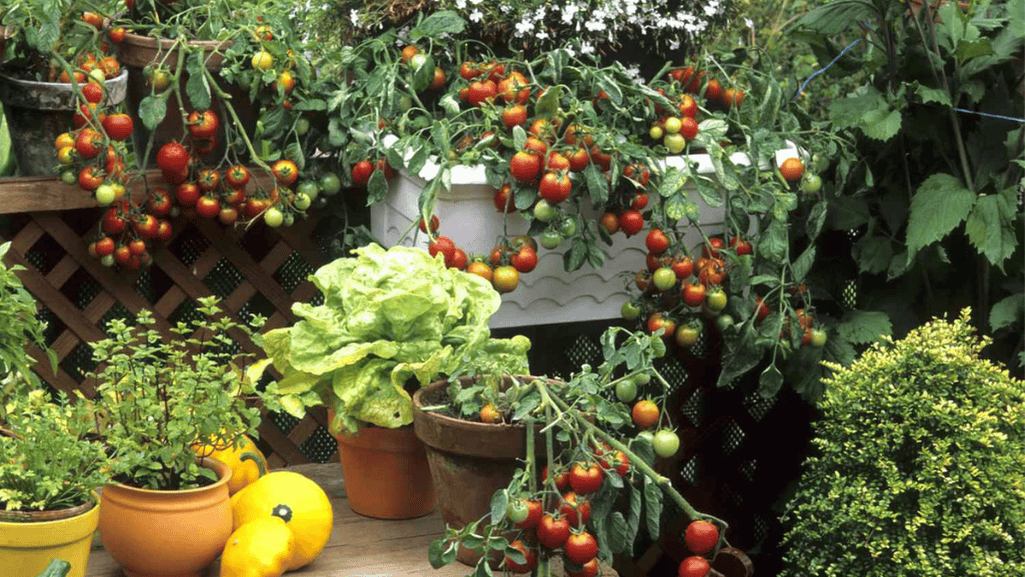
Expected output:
(29, 540)
(468, 460)
(386, 473)
(166, 533)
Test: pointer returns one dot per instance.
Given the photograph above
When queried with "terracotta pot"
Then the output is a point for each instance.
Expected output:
(468, 460)
(386, 473)
(154, 533)
(27, 545)
(136, 52)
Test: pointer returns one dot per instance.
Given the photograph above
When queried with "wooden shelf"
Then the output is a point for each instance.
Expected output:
(41, 193)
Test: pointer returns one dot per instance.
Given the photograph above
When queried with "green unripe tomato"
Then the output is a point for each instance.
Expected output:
(302, 201)
(330, 184)
(673, 125)
(656, 132)
(568, 227)
(551, 239)
(675, 142)
(642, 378)
(811, 183)
(517, 510)
(302, 126)
(666, 443)
(626, 390)
(309, 188)
(664, 278)
(544, 211)
(630, 311)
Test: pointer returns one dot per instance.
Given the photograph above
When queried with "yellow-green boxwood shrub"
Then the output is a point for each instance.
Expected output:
(918, 467)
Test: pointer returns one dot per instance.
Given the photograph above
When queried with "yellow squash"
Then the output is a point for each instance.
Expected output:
(261, 548)
(298, 501)
(246, 462)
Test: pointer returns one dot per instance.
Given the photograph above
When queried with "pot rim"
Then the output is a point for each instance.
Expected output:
(50, 515)
(439, 384)
(224, 472)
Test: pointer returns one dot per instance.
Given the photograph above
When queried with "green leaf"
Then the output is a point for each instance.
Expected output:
(437, 24)
(938, 95)
(880, 124)
(832, 18)
(499, 502)
(848, 112)
(597, 186)
(803, 264)
(556, 60)
(548, 103)
(152, 110)
(610, 87)
(653, 507)
(377, 187)
(435, 551)
(773, 244)
(676, 207)
(1008, 312)
(573, 258)
(988, 230)
(940, 204)
(618, 533)
(673, 182)
(873, 253)
(816, 219)
(596, 257)
(966, 50)
(770, 382)
(196, 88)
(862, 327)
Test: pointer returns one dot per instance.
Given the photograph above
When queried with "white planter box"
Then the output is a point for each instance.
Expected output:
(548, 294)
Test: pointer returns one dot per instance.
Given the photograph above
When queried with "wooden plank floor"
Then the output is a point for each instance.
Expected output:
(359, 546)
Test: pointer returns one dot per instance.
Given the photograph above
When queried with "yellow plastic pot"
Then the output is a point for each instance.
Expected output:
(27, 548)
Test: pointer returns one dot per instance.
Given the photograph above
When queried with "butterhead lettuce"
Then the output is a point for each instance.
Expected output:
(388, 316)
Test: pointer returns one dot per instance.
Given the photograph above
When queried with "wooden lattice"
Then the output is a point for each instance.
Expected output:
(78, 294)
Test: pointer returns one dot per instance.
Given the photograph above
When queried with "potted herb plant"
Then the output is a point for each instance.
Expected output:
(390, 321)
(50, 468)
(580, 482)
(49, 465)
(53, 50)
(157, 398)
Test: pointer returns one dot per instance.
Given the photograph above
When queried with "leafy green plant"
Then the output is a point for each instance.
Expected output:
(934, 191)
(160, 395)
(916, 467)
(19, 328)
(390, 320)
(597, 473)
(49, 459)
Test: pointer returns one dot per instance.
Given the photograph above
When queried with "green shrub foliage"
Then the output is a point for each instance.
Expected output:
(918, 467)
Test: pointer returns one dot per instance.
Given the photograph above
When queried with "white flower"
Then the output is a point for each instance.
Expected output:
(523, 26)
(476, 16)
(461, 4)
(542, 35)
(749, 23)
(354, 16)
(476, 2)
(586, 48)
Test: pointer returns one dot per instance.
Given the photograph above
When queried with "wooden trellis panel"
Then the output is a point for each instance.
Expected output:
(245, 268)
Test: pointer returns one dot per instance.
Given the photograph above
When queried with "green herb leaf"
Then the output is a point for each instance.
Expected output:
(1008, 312)
(861, 327)
(940, 204)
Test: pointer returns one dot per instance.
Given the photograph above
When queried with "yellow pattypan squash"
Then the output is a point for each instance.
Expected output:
(246, 462)
(298, 501)
(261, 548)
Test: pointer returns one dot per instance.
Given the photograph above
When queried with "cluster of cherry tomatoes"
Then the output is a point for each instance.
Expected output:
(561, 524)
(502, 268)
(701, 538)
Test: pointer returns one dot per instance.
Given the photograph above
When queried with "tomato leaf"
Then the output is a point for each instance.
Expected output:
(633, 517)
(519, 137)
(597, 186)
(770, 382)
(862, 327)
(816, 219)
(940, 204)
(803, 264)
(676, 207)
(673, 182)
(152, 110)
(377, 188)
(548, 103)
(619, 533)
(1008, 312)
(294, 152)
(773, 244)
(556, 60)
(524, 197)
(653, 507)
(596, 257)
(610, 87)
(573, 258)
(484, 569)
(196, 87)
(499, 502)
